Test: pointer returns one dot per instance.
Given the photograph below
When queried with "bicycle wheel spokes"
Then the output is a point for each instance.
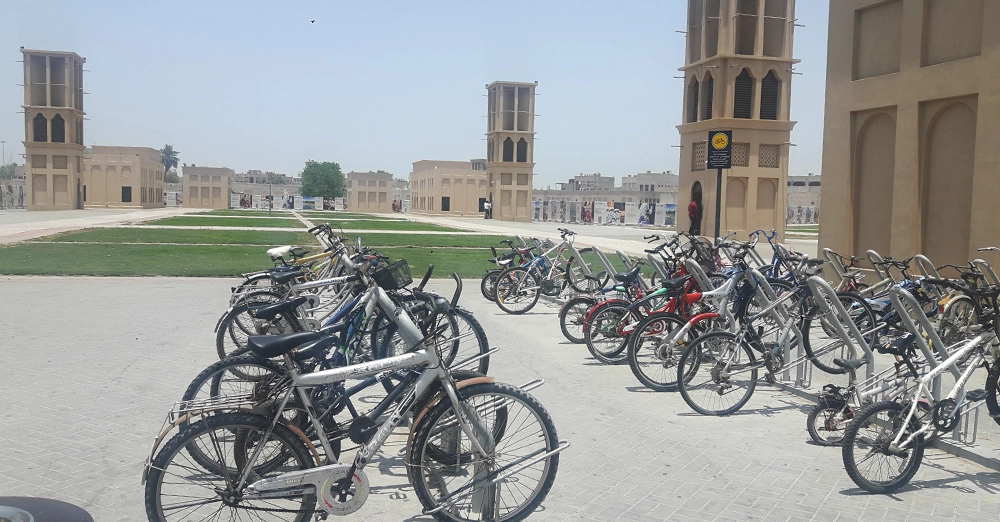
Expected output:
(514, 429)
(717, 374)
(180, 488)
(603, 336)
(517, 291)
(652, 363)
(869, 461)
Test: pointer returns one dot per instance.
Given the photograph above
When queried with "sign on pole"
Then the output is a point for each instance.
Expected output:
(720, 149)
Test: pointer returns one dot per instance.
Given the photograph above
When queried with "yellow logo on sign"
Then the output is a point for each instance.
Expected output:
(720, 141)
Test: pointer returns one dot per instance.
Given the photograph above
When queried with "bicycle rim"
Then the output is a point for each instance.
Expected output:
(717, 374)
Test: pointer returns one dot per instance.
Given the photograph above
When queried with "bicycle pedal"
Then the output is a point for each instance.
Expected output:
(975, 395)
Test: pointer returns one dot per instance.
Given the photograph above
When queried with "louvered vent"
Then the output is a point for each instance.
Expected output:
(769, 91)
(743, 97)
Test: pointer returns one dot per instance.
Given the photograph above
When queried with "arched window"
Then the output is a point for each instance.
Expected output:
(743, 96)
(770, 91)
(709, 96)
(693, 102)
(58, 129)
(40, 128)
(508, 150)
(522, 151)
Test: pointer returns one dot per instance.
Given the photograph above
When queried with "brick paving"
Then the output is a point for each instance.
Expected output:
(90, 366)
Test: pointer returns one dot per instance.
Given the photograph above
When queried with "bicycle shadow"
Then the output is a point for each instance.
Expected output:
(983, 481)
(766, 411)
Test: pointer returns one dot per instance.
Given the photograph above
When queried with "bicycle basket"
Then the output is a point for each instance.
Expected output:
(394, 276)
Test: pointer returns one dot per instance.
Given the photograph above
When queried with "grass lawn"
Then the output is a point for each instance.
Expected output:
(343, 215)
(131, 260)
(432, 240)
(188, 221)
(172, 235)
(468, 263)
(371, 224)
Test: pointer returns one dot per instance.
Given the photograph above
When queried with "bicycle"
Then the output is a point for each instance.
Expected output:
(467, 450)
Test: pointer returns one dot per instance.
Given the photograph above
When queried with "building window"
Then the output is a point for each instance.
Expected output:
(58, 129)
(695, 18)
(39, 161)
(709, 97)
(40, 128)
(770, 91)
(699, 155)
(522, 179)
(508, 150)
(216, 192)
(769, 156)
(746, 26)
(126, 194)
(774, 27)
(506, 179)
(743, 96)
(522, 151)
(216, 179)
(193, 194)
(693, 101)
(60, 162)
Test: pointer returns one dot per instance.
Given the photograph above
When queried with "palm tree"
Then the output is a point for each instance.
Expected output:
(168, 157)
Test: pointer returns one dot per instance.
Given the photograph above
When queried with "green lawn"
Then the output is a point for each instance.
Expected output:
(131, 260)
(343, 215)
(172, 235)
(432, 240)
(190, 221)
(468, 263)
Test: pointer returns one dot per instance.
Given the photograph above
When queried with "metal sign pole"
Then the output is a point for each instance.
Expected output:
(718, 203)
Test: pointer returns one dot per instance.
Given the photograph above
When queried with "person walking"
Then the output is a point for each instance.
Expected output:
(488, 207)
(694, 212)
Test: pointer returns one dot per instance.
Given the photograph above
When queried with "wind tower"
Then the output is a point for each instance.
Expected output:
(737, 75)
(53, 129)
(510, 148)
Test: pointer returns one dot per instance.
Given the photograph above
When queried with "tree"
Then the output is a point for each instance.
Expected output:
(168, 157)
(322, 179)
(7, 171)
(274, 178)
(171, 177)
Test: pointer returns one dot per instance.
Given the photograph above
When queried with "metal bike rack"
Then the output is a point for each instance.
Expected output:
(926, 267)
(834, 261)
(698, 274)
(851, 336)
(874, 258)
(605, 262)
(657, 265)
(987, 270)
(626, 260)
(907, 307)
(521, 240)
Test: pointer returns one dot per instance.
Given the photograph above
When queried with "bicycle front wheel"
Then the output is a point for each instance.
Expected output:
(868, 458)
(446, 468)
(603, 334)
(717, 374)
(517, 291)
(651, 364)
(575, 272)
(179, 488)
(572, 317)
(489, 282)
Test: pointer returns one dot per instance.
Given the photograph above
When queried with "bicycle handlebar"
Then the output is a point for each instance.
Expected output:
(427, 275)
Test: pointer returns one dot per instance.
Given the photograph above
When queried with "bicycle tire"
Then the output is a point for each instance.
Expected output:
(509, 446)
(221, 428)
(238, 325)
(815, 331)
(824, 426)
(573, 318)
(993, 392)
(874, 440)
(644, 358)
(516, 291)
(576, 278)
(473, 341)
(603, 339)
(699, 376)
(488, 283)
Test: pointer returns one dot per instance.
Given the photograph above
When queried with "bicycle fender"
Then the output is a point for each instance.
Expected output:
(437, 398)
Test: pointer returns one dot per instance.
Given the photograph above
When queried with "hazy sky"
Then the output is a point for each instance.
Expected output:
(379, 85)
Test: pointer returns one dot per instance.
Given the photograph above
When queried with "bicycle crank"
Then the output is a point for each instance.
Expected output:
(338, 490)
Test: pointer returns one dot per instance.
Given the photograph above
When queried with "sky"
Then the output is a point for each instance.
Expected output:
(269, 85)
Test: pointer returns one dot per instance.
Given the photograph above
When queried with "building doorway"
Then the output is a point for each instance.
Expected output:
(482, 204)
(445, 204)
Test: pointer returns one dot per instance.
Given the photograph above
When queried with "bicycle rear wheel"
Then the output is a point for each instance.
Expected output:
(717, 374)
(866, 448)
(488, 283)
(513, 428)
(655, 369)
(572, 317)
(575, 272)
(517, 291)
(603, 333)
(179, 488)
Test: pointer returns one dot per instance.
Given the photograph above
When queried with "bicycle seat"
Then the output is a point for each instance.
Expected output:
(274, 345)
(270, 311)
(279, 252)
(285, 277)
(628, 277)
(851, 364)
(899, 346)
(675, 285)
(596, 277)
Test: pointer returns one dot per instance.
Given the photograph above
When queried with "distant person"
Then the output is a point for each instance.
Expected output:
(694, 212)
(488, 209)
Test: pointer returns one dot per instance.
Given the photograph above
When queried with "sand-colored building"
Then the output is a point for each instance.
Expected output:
(449, 187)
(207, 187)
(510, 148)
(369, 192)
(122, 177)
(53, 129)
(737, 76)
(913, 104)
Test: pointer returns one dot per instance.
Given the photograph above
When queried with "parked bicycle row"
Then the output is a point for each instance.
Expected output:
(259, 434)
(721, 317)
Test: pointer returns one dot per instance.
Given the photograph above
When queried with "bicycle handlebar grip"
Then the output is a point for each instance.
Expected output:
(315, 228)
(458, 289)
(430, 270)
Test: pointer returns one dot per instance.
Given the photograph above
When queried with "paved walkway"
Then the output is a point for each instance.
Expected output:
(21, 225)
(83, 397)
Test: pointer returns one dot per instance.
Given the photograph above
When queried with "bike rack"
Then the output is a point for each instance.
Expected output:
(657, 265)
(825, 296)
(901, 300)
(987, 270)
(874, 258)
(521, 241)
(604, 261)
(834, 261)
(698, 273)
(926, 267)
(626, 260)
